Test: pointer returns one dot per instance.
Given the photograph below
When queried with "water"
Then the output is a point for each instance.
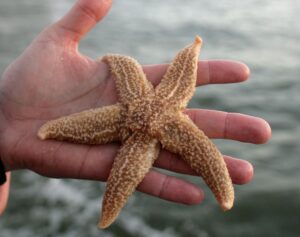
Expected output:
(263, 34)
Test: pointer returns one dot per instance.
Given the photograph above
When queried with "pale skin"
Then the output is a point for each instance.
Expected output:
(51, 79)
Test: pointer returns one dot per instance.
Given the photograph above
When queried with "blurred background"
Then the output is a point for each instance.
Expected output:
(263, 34)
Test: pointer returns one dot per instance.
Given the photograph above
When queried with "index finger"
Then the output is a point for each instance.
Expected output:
(209, 72)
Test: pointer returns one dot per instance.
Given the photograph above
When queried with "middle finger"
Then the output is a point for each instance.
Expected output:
(233, 126)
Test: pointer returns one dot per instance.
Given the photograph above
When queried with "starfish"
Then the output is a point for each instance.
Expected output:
(145, 120)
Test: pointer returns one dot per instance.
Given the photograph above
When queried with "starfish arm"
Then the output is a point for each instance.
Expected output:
(94, 126)
(178, 84)
(130, 79)
(133, 161)
(178, 134)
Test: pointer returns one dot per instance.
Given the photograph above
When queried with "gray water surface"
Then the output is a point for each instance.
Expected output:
(263, 34)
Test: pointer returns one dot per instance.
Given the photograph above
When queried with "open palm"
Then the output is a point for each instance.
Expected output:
(51, 79)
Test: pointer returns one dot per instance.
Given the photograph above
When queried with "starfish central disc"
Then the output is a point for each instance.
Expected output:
(142, 115)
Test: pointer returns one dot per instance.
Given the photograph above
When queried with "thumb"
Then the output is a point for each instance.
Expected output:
(81, 18)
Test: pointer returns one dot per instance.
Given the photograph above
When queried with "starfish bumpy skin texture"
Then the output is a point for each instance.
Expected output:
(144, 120)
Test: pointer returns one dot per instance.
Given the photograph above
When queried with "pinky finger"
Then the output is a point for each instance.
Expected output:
(241, 171)
(171, 188)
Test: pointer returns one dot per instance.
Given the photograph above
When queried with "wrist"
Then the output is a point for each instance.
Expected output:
(2, 173)
(4, 194)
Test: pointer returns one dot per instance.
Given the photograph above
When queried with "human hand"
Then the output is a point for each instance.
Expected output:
(51, 79)
(4, 193)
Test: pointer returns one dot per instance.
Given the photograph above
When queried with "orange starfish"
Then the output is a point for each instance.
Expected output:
(145, 119)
